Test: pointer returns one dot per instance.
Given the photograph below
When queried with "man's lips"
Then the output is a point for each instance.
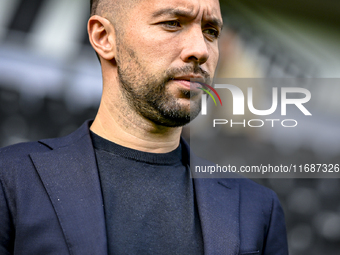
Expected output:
(190, 82)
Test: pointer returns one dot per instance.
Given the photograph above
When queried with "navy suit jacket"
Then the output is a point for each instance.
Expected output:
(51, 203)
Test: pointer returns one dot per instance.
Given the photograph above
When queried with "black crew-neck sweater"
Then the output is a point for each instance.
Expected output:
(149, 201)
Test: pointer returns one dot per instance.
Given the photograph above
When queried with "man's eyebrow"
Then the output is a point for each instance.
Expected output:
(215, 22)
(183, 13)
(173, 12)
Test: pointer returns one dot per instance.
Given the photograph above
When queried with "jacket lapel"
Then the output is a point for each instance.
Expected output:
(70, 177)
(218, 208)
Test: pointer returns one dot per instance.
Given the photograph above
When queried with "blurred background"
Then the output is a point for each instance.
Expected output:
(50, 83)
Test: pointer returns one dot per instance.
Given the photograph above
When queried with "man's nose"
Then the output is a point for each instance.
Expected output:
(195, 48)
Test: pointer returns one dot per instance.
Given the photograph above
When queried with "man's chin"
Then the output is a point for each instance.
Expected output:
(177, 118)
(173, 123)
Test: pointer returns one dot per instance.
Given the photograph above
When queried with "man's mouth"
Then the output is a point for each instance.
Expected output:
(191, 82)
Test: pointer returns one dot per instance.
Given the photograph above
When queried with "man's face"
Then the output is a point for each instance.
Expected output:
(163, 45)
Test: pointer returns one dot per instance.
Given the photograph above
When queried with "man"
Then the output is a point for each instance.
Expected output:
(121, 185)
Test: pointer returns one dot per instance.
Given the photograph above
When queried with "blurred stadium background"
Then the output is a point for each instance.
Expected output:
(50, 83)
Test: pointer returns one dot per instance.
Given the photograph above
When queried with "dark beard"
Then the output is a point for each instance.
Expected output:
(149, 97)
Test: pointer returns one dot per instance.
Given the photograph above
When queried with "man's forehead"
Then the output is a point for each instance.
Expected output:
(210, 9)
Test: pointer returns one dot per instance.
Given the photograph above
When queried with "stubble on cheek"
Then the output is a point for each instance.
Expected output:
(152, 96)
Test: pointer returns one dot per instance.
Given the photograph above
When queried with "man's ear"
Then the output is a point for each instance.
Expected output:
(102, 36)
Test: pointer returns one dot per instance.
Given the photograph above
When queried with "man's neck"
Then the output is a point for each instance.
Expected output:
(133, 131)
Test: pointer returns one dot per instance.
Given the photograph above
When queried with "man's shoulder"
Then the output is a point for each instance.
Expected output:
(18, 155)
(255, 190)
(249, 188)
(24, 149)
(21, 150)
(253, 197)
(15, 161)
(253, 185)
(249, 191)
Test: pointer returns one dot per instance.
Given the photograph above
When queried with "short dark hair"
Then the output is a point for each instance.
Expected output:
(93, 6)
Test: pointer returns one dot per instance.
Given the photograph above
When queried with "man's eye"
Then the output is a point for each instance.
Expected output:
(212, 32)
(172, 24)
